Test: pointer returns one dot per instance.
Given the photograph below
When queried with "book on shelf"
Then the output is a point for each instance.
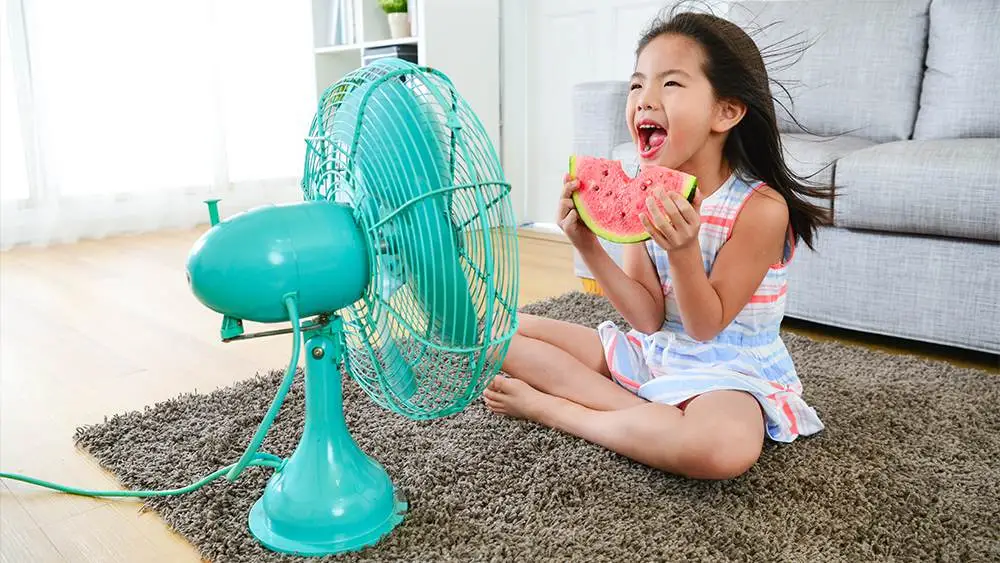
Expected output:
(341, 22)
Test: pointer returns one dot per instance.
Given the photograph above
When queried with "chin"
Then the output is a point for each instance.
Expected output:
(660, 158)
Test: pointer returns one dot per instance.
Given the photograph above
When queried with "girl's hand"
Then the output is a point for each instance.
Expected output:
(671, 220)
(568, 218)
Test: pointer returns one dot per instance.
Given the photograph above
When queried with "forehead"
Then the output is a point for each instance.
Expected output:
(671, 51)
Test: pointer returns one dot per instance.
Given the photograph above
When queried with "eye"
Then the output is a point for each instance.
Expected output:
(671, 83)
(634, 86)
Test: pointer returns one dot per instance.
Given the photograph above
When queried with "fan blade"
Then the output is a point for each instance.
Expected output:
(400, 157)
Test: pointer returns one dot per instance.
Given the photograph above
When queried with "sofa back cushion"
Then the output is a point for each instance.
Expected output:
(961, 90)
(861, 72)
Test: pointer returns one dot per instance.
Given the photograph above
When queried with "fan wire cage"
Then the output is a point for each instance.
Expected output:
(400, 338)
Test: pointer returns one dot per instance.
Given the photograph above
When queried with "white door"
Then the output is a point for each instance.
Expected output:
(462, 39)
(548, 46)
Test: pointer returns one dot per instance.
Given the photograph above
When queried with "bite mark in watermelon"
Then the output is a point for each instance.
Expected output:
(609, 200)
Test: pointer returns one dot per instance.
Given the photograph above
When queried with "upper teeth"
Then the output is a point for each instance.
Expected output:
(648, 126)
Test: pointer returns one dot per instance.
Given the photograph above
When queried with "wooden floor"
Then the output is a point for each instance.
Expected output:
(59, 370)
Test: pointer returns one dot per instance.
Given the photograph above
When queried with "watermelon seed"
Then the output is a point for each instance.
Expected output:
(605, 172)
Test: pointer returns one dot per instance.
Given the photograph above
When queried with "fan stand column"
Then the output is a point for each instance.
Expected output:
(330, 496)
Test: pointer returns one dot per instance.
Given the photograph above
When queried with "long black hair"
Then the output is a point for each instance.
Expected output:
(735, 68)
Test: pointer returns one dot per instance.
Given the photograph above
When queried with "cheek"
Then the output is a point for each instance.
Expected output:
(689, 123)
(630, 116)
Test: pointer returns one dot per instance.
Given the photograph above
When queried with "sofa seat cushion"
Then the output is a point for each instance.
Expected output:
(959, 94)
(947, 187)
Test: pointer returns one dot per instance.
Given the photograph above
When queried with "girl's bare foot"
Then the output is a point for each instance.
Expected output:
(513, 397)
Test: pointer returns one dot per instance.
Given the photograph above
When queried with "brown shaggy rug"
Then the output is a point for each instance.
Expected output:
(908, 469)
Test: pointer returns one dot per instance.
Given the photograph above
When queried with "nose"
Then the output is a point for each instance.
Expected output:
(645, 102)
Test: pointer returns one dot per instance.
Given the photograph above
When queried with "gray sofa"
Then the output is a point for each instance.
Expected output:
(904, 96)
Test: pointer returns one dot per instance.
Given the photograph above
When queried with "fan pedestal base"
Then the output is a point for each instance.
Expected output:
(330, 497)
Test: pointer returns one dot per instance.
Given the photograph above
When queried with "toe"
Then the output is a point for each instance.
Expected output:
(494, 406)
(498, 384)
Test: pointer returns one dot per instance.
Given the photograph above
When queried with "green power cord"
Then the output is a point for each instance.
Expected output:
(268, 461)
(250, 457)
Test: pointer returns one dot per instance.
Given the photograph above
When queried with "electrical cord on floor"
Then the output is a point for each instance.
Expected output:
(268, 460)
(250, 457)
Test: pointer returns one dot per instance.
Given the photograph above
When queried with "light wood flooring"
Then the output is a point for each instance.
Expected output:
(60, 369)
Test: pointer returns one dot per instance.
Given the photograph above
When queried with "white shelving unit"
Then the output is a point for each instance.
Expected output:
(337, 50)
(458, 37)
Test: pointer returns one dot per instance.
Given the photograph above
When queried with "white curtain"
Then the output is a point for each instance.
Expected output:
(124, 115)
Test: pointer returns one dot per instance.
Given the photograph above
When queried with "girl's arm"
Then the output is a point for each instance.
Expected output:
(635, 290)
(708, 304)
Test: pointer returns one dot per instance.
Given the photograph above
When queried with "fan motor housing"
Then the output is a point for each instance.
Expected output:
(246, 265)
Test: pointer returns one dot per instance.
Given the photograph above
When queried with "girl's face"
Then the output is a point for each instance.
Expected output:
(671, 110)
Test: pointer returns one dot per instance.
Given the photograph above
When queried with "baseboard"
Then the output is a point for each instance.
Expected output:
(542, 231)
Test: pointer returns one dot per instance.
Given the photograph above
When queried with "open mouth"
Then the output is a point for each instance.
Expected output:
(651, 138)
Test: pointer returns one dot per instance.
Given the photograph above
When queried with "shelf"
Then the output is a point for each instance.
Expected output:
(337, 49)
(366, 45)
(388, 42)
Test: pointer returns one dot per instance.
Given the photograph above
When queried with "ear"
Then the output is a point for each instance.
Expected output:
(728, 113)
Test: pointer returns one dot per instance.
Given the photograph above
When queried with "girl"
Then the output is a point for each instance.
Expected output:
(703, 376)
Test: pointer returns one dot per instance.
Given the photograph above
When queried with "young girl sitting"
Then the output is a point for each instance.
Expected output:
(703, 376)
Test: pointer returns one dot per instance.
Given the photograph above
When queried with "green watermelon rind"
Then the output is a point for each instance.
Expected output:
(594, 225)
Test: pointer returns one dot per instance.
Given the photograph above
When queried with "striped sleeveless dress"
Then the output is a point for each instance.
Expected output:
(670, 367)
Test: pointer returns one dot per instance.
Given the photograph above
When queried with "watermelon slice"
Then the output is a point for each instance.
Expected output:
(609, 201)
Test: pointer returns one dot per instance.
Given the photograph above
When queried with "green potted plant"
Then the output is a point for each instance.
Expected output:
(399, 19)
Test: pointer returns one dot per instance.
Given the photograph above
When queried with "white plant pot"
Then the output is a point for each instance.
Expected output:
(399, 25)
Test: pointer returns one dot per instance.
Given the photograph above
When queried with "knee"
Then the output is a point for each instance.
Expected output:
(721, 456)
(527, 324)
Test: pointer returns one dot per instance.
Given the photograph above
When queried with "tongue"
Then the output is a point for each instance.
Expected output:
(657, 137)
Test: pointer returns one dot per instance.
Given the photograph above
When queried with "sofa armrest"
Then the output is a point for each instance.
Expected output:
(599, 117)
(598, 127)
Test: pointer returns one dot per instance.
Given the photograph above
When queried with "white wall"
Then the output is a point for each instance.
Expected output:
(548, 46)
(462, 39)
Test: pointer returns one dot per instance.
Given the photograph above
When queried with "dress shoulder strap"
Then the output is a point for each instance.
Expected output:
(720, 210)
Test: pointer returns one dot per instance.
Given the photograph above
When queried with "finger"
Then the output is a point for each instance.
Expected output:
(688, 212)
(565, 206)
(670, 208)
(570, 187)
(657, 216)
(568, 221)
(655, 233)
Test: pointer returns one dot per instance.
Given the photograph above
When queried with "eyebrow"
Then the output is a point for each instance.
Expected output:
(663, 74)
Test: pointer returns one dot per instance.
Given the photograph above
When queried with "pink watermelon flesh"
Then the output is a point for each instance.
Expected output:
(609, 201)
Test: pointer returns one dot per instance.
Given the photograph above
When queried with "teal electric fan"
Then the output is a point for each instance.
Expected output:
(404, 255)
(399, 269)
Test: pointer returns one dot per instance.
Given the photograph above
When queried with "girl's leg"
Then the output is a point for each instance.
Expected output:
(567, 361)
(718, 436)
(577, 340)
(554, 371)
